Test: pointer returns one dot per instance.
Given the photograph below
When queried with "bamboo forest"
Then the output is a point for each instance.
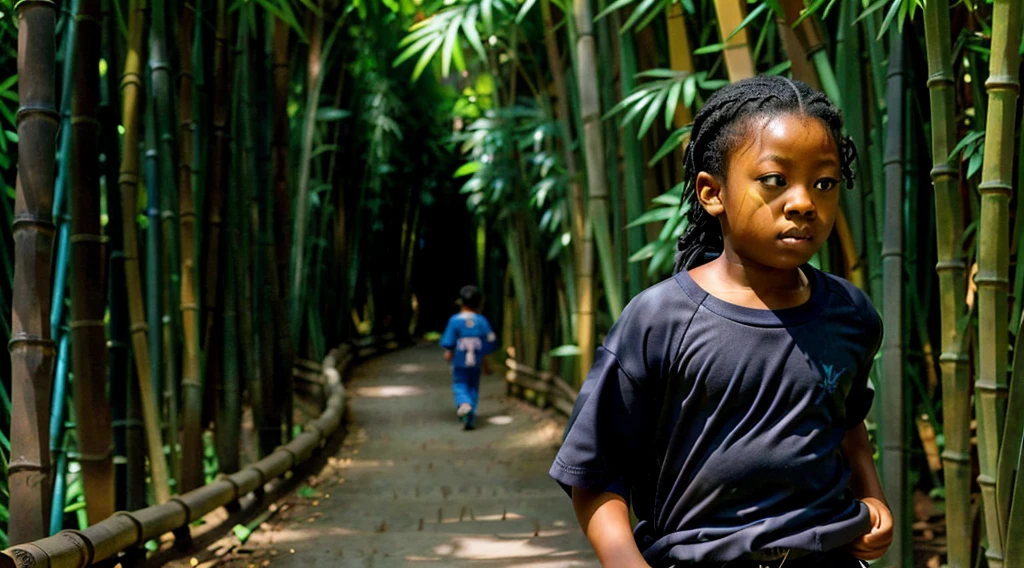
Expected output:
(204, 199)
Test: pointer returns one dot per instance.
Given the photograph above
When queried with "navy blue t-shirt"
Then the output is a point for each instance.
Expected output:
(723, 423)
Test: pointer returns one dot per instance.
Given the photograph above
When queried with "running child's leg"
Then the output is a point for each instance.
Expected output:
(461, 387)
(473, 386)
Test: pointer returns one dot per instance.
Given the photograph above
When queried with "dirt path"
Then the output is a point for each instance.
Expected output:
(410, 487)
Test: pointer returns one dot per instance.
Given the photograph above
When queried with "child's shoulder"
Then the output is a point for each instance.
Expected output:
(847, 291)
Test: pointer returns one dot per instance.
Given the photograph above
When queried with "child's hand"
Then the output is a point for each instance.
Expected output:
(873, 545)
(448, 355)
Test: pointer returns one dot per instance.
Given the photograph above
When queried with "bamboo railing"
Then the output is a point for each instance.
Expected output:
(126, 532)
(544, 389)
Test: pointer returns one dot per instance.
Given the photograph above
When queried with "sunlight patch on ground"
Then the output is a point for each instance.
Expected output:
(491, 548)
(500, 420)
(411, 368)
(286, 535)
(391, 391)
(544, 434)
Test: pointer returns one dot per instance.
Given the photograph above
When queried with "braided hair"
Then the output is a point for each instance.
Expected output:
(720, 126)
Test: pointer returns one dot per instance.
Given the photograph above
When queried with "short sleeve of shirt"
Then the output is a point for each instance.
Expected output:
(448, 339)
(862, 394)
(603, 428)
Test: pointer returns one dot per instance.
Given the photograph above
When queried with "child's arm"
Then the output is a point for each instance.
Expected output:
(604, 518)
(866, 487)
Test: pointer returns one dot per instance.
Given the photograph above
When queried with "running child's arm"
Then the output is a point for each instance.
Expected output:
(604, 518)
(448, 340)
(866, 487)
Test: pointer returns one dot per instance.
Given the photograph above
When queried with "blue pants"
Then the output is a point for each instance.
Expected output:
(466, 387)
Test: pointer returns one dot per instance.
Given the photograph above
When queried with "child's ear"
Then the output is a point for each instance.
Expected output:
(709, 194)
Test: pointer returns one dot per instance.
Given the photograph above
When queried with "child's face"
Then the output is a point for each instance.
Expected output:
(780, 196)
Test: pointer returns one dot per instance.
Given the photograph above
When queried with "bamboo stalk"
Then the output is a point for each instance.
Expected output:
(679, 56)
(596, 228)
(284, 347)
(996, 189)
(738, 61)
(191, 388)
(632, 153)
(956, 458)
(314, 84)
(894, 402)
(131, 85)
(31, 346)
(170, 259)
(154, 279)
(799, 52)
(88, 294)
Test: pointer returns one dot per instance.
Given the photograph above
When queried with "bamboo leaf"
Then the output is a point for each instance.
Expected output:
(467, 169)
(428, 54)
(671, 102)
(449, 44)
(896, 4)
(525, 10)
(653, 216)
(713, 48)
(746, 21)
(638, 13)
(469, 27)
(652, 113)
(670, 145)
(871, 10)
(645, 252)
(565, 351)
(330, 114)
(413, 50)
(618, 4)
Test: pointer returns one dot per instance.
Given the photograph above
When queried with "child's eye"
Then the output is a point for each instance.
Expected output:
(774, 180)
(826, 184)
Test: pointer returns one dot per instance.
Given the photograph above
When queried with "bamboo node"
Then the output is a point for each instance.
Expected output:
(80, 324)
(134, 521)
(131, 78)
(22, 340)
(992, 387)
(1002, 82)
(950, 265)
(42, 223)
(943, 169)
(995, 280)
(140, 326)
(956, 457)
(996, 186)
(27, 111)
(128, 177)
(79, 541)
(940, 79)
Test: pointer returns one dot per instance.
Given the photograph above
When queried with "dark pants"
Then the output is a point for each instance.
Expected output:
(778, 559)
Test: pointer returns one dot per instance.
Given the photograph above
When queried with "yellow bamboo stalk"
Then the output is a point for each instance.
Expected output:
(128, 183)
(738, 61)
(679, 57)
(996, 189)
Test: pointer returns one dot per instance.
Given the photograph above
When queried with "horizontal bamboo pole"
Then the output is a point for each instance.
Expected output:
(557, 393)
(124, 530)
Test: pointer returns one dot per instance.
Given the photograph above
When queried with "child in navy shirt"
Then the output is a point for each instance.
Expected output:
(726, 405)
(467, 339)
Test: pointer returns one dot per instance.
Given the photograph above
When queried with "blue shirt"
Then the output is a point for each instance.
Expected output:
(722, 424)
(470, 336)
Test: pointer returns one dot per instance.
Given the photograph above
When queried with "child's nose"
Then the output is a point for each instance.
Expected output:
(799, 203)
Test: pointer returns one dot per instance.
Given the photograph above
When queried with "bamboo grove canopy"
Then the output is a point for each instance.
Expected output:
(203, 194)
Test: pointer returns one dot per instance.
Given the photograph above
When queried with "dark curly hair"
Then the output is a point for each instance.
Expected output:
(720, 126)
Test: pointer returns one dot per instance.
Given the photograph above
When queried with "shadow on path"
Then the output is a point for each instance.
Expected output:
(409, 487)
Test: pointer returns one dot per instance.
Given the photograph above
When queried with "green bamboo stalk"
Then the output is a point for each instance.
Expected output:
(314, 84)
(895, 462)
(160, 71)
(130, 88)
(154, 277)
(31, 346)
(192, 393)
(632, 157)
(996, 189)
(848, 67)
(954, 364)
(88, 300)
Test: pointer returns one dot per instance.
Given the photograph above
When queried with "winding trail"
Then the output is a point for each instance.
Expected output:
(409, 487)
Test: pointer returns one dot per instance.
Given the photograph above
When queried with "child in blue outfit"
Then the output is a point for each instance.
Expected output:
(726, 406)
(467, 339)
